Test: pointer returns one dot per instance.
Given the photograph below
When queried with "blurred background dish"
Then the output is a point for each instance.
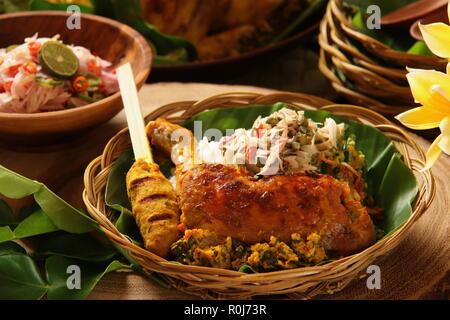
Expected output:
(110, 40)
(194, 40)
(227, 68)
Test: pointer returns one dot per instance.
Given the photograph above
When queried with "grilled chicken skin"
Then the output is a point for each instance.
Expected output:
(229, 201)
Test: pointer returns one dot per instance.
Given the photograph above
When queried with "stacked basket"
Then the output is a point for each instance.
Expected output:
(364, 70)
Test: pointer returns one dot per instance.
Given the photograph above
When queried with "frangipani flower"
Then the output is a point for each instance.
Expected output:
(432, 89)
(437, 36)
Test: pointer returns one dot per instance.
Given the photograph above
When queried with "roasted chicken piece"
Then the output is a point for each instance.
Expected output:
(229, 201)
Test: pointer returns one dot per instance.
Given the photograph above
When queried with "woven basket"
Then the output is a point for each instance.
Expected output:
(217, 283)
(374, 77)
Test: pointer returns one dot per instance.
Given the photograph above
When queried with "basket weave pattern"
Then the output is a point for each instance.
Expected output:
(364, 70)
(217, 283)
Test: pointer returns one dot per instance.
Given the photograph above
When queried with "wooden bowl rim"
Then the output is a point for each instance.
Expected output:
(139, 78)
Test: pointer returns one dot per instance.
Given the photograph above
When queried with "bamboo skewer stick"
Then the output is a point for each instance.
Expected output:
(135, 120)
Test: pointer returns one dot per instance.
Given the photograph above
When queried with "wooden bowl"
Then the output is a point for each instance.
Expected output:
(110, 39)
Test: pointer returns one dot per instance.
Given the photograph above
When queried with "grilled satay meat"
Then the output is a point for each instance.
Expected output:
(172, 140)
(229, 201)
(154, 205)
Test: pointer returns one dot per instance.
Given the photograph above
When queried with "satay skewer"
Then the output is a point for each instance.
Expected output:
(153, 199)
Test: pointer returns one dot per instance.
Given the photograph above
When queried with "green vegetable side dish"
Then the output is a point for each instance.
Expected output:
(390, 182)
(58, 59)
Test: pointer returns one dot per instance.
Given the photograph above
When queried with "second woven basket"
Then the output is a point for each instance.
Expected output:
(364, 70)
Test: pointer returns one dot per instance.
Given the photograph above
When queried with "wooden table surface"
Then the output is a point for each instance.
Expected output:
(418, 268)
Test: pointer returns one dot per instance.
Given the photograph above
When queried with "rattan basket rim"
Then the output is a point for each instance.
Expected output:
(219, 283)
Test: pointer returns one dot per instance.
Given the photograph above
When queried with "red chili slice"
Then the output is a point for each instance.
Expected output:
(7, 86)
(30, 67)
(14, 70)
(80, 84)
(34, 48)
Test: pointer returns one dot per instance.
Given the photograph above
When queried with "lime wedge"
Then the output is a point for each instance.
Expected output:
(58, 59)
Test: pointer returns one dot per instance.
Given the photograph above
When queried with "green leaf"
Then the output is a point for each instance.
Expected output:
(9, 6)
(7, 217)
(126, 224)
(396, 177)
(6, 234)
(116, 195)
(19, 278)
(45, 5)
(63, 215)
(246, 269)
(82, 247)
(36, 224)
(420, 48)
(10, 248)
(177, 56)
(91, 273)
